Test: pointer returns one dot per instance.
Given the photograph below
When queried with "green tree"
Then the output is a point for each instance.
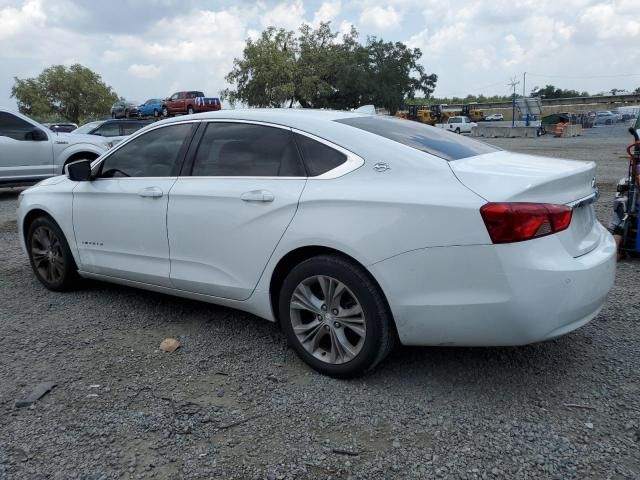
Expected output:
(549, 91)
(73, 94)
(318, 70)
(264, 76)
(395, 74)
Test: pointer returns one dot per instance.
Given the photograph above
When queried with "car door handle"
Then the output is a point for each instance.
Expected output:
(151, 192)
(257, 196)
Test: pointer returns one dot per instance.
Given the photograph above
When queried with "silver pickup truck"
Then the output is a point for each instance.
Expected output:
(30, 152)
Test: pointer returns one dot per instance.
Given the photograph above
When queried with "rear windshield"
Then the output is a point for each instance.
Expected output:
(436, 141)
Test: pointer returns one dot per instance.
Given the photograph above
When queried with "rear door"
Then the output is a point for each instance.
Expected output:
(25, 149)
(226, 219)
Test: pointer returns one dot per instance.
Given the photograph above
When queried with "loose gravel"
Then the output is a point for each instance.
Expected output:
(233, 402)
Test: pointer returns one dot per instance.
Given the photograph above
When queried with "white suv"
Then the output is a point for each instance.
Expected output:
(30, 152)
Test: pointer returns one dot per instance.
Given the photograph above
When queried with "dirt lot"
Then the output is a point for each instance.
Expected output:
(234, 402)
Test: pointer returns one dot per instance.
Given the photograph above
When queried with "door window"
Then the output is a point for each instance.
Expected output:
(129, 128)
(17, 128)
(318, 157)
(154, 154)
(247, 150)
(108, 130)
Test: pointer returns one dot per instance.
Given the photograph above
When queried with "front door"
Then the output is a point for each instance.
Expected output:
(120, 217)
(25, 150)
(226, 219)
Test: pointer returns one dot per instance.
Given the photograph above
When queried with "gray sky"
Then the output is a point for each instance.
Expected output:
(150, 48)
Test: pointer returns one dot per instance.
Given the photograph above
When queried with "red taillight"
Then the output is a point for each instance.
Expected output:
(515, 222)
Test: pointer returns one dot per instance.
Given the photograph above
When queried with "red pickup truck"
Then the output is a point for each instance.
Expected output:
(189, 102)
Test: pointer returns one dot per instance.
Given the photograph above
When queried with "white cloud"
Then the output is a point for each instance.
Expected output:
(380, 18)
(15, 21)
(147, 71)
(287, 15)
(473, 46)
(327, 12)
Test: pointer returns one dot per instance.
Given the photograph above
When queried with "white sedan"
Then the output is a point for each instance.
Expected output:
(354, 231)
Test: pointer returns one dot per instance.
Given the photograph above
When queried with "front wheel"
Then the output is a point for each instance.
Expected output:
(165, 112)
(458, 131)
(335, 317)
(155, 113)
(50, 256)
(190, 110)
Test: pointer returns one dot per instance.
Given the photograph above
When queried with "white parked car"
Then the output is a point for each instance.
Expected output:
(30, 152)
(494, 117)
(458, 124)
(351, 230)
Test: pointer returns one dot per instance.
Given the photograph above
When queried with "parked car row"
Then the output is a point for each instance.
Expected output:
(184, 102)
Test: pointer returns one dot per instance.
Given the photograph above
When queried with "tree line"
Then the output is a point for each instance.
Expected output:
(318, 68)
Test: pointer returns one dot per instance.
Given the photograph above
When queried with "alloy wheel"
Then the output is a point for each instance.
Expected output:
(46, 251)
(327, 319)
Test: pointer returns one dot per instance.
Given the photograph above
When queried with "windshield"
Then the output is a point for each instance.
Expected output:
(435, 141)
(87, 127)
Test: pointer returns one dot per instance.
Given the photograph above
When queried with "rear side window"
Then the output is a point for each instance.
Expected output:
(247, 150)
(318, 157)
(434, 141)
(153, 154)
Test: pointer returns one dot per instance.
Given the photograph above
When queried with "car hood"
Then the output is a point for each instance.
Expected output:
(81, 138)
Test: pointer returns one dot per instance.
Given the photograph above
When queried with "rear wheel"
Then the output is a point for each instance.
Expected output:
(50, 255)
(155, 113)
(458, 131)
(335, 316)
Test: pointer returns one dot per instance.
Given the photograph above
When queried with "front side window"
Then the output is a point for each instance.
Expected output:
(425, 138)
(174, 96)
(247, 150)
(318, 157)
(17, 128)
(154, 154)
(108, 130)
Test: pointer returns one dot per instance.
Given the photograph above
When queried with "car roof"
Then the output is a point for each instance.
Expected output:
(284, 116)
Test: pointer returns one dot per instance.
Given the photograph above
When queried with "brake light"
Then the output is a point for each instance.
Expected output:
(516, 222)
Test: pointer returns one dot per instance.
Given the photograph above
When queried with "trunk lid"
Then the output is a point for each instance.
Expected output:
(514, 177)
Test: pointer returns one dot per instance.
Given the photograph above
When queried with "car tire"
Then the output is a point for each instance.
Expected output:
(113, 115)
(126, 114)
(458, 131)
(155, 113)
(349, 334)
(165, 112)
(50, 255)
(190, 110)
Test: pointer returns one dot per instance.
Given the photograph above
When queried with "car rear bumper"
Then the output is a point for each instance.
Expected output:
(490, 295)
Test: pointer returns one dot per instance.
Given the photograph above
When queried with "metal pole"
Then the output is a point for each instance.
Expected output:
(524, 83)
(513, 108)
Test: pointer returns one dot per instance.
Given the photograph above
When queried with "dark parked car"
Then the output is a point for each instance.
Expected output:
(124, 109)
(112, 128)
(61, 127)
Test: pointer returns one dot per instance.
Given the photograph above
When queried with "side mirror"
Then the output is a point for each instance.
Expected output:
(79, 171)
(36, 135)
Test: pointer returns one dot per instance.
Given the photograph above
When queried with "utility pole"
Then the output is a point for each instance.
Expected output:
(513, 84)
(524, 84)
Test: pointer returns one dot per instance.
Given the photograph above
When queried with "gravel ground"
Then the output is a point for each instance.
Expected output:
(234, 402)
